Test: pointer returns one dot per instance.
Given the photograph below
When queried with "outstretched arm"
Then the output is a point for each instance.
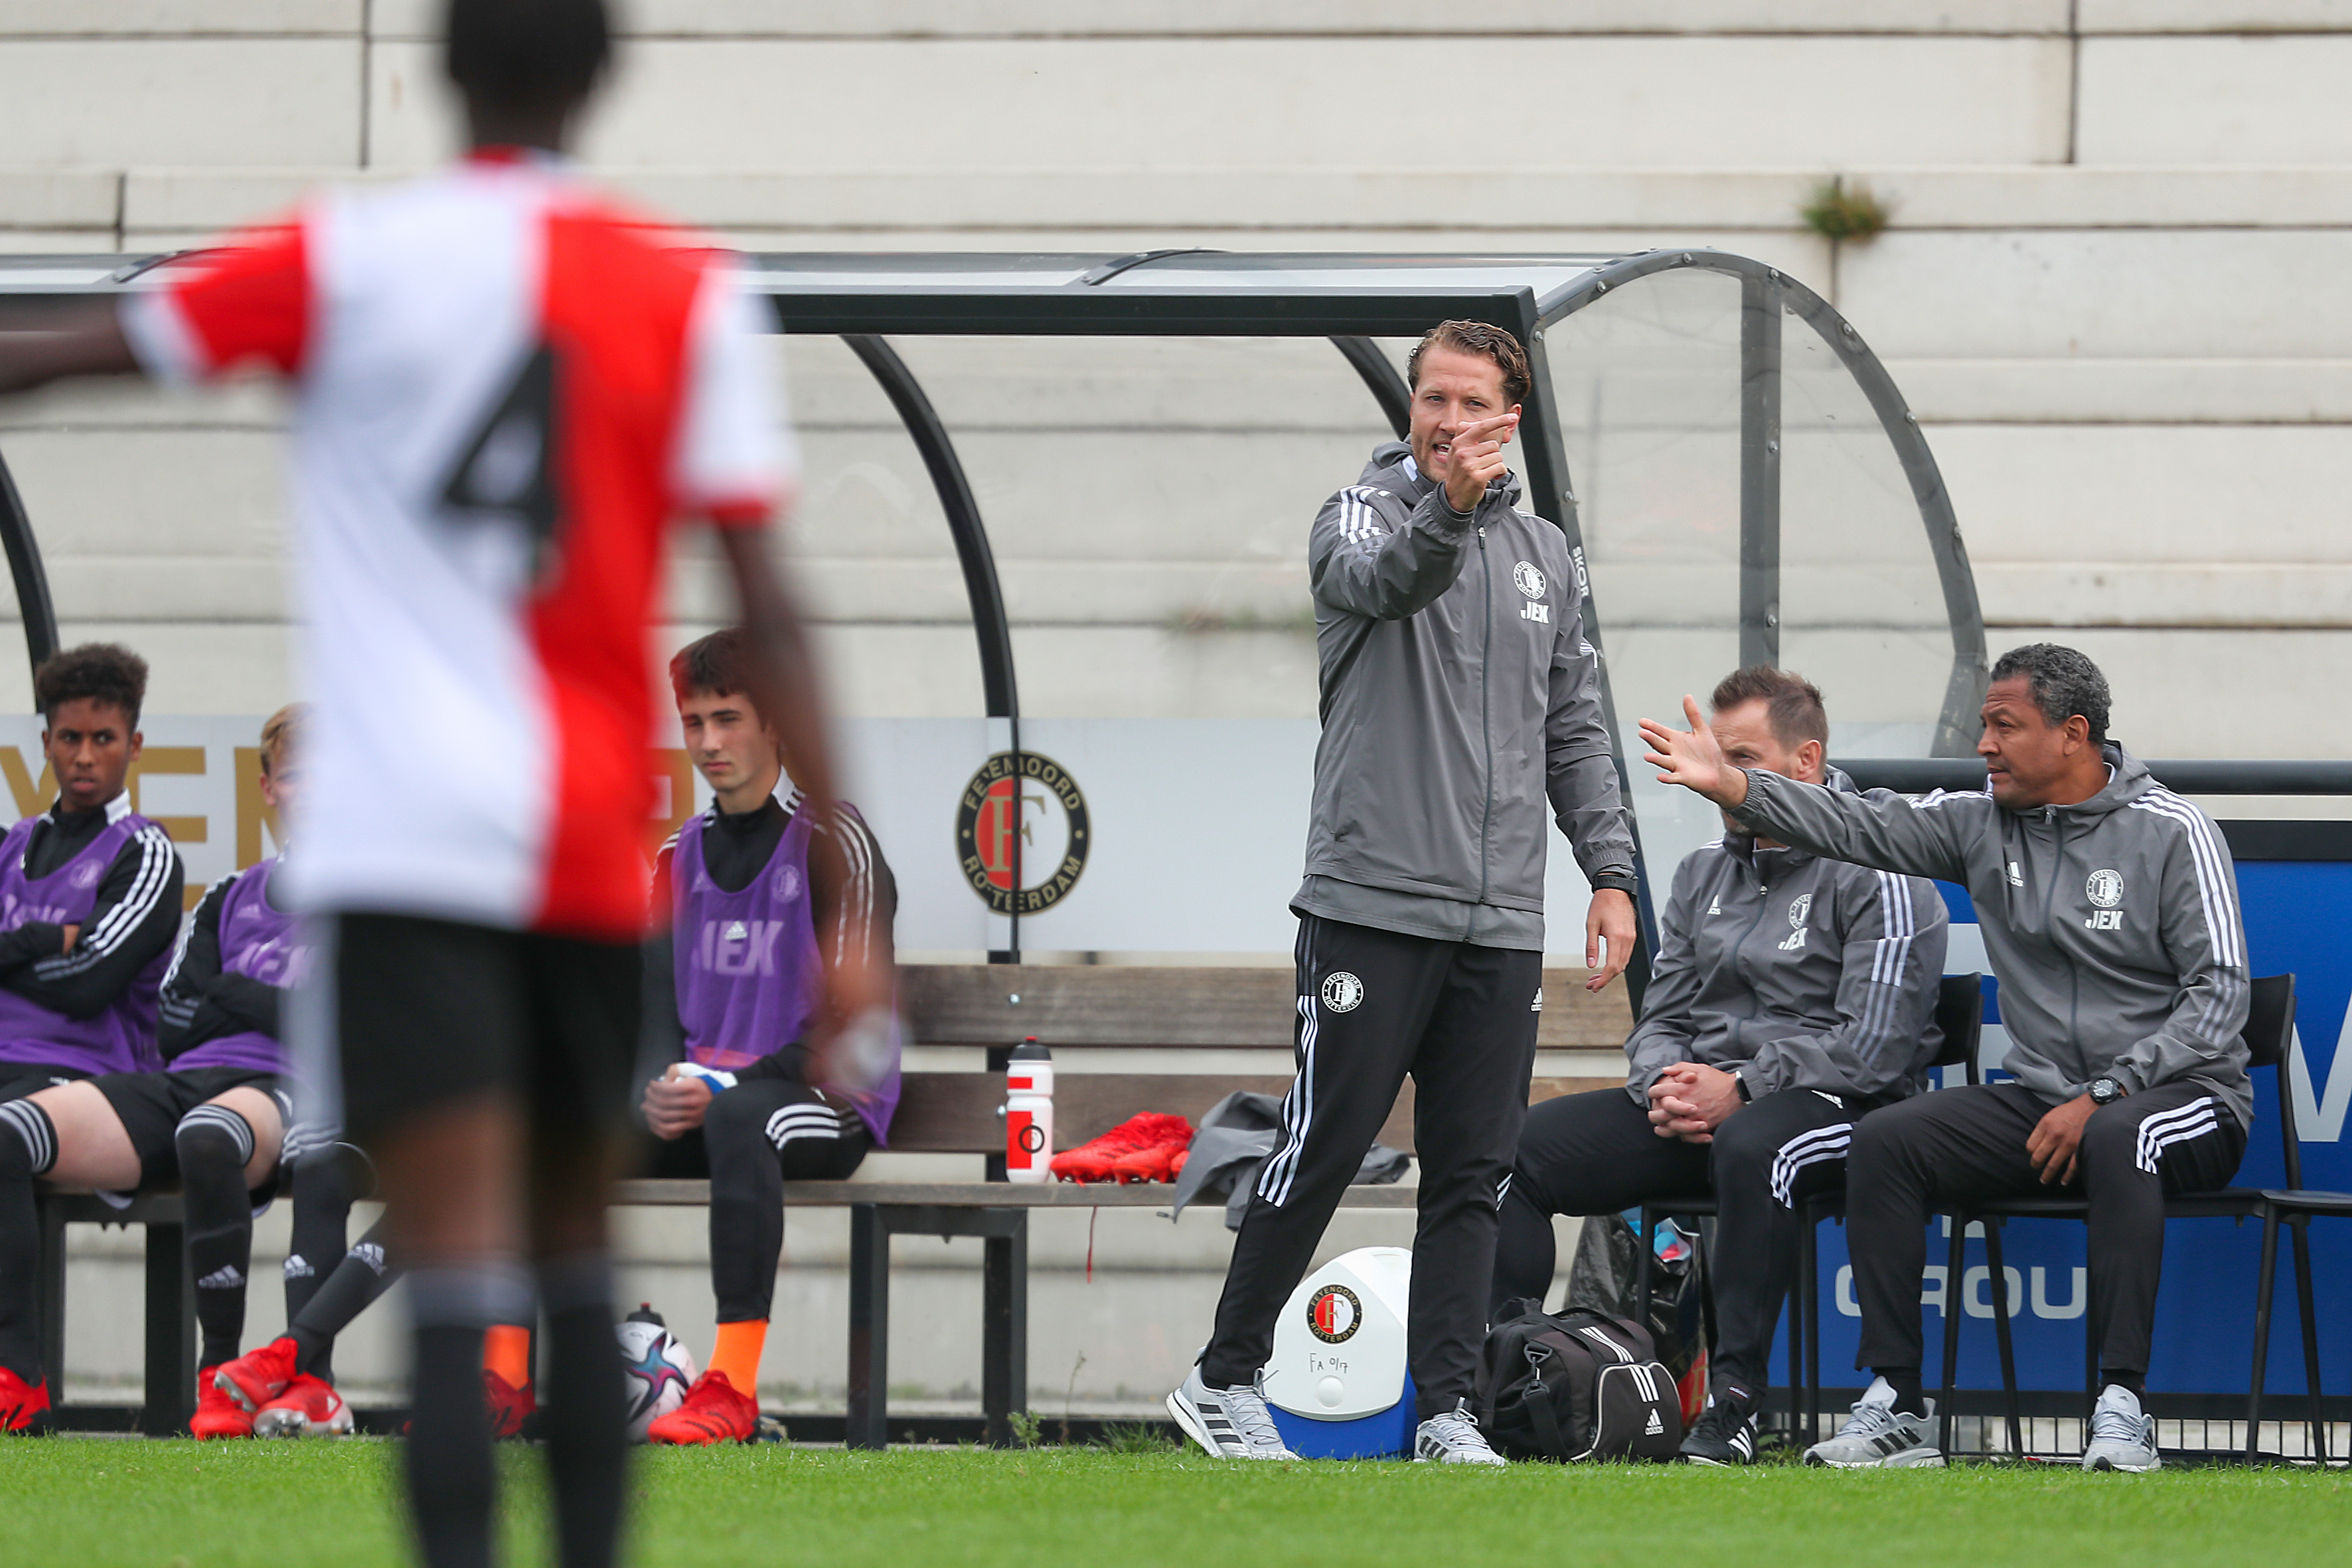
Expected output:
(1881, 829)
(84, 338)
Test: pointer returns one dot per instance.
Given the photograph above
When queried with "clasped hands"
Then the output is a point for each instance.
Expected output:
(1690, 1100)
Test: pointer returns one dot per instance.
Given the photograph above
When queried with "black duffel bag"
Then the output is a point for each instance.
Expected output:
(1578, 1384)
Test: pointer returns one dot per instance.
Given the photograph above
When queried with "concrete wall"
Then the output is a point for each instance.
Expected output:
(2111, 290)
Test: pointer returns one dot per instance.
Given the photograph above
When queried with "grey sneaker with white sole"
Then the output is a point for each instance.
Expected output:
(2122, 1438)
(1877, 1436)
(1452, 1437)
(1230, 1422)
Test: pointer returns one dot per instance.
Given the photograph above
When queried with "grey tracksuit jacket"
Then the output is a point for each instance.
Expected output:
(1458, 693)
(1798, 972)
(2113, 924)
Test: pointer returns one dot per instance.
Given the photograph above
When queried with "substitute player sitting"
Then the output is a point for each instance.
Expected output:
(90, 889)
(762, 893)
(212, 1121)
(1790, 994)
(2110, 914)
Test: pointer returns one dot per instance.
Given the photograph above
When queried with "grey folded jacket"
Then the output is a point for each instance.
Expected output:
(1235, 1138)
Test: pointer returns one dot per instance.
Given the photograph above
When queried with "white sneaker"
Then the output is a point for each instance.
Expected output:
(1876, 1436)
(1453, 1439)
(2121, 1437)
(1230, 1422)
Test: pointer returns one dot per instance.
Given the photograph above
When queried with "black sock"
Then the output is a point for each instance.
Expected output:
(587, 1415)
(1905, 1381)
(451, 1473)
(327, 1181)
(363, 1275)
(2133, 1383)
(28, 1146)
(214, 1143)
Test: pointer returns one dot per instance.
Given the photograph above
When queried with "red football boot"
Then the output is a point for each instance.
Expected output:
(713, 1413)
(1155, 1162)
(20, 1402)
(219, 1414)
(508, 1406)
(1099, 1161)
(255, 1378)
(310, 1407)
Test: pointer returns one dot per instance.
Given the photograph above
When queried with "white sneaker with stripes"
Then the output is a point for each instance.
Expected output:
(1452, 1437)
(1230, 1422)
(1877, 1436)
(2121, 1437)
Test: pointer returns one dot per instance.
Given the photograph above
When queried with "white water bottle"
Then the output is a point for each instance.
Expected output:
(1029, 1113)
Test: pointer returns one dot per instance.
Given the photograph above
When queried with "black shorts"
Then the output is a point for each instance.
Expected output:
(150, 1105)
(18, 1079)
(431, 1011)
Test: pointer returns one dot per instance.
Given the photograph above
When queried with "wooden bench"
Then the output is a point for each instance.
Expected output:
(1081, 1012)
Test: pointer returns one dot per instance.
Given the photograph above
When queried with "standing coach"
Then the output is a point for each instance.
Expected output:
(1458, 694)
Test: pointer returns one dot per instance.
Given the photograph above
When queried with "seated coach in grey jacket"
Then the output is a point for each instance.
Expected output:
(1790, 994)
(2109, 911)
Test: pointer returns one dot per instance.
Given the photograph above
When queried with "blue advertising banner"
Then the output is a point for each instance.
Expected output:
(2298, 915)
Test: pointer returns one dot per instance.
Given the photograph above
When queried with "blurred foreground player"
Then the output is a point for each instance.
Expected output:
(762, 894)
(509, 387)
(1461, 708)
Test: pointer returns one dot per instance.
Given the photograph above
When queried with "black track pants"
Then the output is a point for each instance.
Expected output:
(753, 1138)
(1597, 1154)
(1960, 1145)
(1374, 1005)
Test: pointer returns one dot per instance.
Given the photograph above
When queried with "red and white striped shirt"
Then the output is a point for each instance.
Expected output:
(508, 386)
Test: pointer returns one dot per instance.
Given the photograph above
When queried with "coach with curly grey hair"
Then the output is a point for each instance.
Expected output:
(2109, 911)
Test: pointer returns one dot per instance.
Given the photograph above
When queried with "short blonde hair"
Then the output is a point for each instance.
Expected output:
(279, 733)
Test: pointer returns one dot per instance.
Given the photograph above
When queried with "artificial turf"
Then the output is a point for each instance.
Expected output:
(91, 1504)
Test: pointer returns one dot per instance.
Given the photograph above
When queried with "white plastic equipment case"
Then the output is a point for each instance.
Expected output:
(1338, 1381)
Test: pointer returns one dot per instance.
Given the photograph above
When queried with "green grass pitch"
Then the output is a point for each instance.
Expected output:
(87, 1504)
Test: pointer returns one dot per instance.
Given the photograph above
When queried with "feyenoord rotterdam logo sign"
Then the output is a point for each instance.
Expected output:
(1334, 1314)
(1033, 817)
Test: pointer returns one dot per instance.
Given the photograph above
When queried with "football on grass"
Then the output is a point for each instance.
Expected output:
(657, 1368)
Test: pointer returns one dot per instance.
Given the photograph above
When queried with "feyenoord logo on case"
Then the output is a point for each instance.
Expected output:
(1341, 991)
(1335, 1313)
(1032, 817)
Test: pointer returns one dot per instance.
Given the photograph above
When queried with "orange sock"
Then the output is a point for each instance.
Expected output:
(738, 1353)
(506, 1350)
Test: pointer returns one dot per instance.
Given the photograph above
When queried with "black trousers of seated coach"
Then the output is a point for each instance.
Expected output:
(1967, 1144)
(1597, 1154)
(1374, 1005)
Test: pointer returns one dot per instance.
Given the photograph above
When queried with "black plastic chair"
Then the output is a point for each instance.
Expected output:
(2269, 1027)
(1959, 1015)
(2296, 1207)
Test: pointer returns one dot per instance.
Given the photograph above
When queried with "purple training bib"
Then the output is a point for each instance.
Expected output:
(260, 941)
(748, 965)
(122, 1037)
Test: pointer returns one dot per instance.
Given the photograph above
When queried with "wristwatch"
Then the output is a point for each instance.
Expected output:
(2105, 1091)
(1739, 1082)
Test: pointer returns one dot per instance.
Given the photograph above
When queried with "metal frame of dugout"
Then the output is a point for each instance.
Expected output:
(865, 298)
